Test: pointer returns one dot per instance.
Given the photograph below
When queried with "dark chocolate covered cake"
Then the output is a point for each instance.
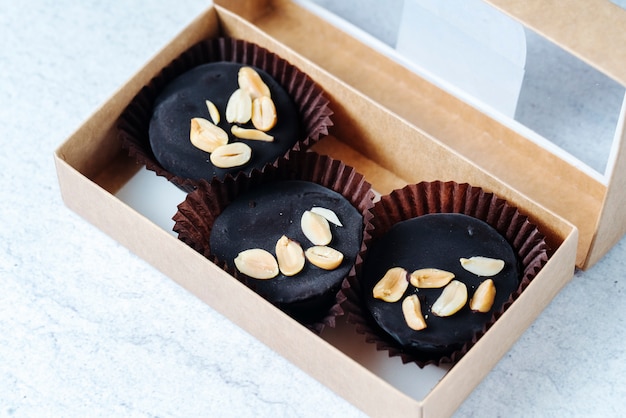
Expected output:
(321, 228)
(442, 261)
(223, 107)
(209, 107)
(294, 232)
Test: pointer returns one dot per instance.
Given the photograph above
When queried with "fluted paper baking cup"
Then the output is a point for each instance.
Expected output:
(197, 215)
(446, 197)
(309, 99)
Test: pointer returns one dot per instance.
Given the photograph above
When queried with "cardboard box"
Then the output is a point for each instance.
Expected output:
(406, 132)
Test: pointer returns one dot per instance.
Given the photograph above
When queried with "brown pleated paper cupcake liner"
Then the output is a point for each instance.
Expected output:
(309, 98)
(446, 197)
(196, 216)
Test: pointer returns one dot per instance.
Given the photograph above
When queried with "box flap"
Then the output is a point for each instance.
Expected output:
(594, 32)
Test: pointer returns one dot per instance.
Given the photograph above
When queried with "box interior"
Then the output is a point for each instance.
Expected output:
(105, 186)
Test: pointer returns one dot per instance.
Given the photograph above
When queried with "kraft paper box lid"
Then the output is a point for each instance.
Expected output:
(590, 30)
(92, 167)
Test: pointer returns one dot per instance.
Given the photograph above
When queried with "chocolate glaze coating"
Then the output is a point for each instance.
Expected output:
(184, 98)
(260, 217)
(438, 241)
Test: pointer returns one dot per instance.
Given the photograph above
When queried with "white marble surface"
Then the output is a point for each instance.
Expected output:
(88, 329)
